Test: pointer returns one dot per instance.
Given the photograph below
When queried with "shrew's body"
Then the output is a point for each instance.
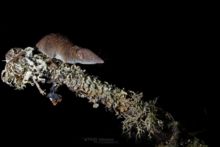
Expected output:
(60, 47)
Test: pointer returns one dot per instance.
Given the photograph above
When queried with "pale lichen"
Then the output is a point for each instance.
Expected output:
(140, 119)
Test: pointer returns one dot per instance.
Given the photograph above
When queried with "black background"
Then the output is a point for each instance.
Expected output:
(161, 52)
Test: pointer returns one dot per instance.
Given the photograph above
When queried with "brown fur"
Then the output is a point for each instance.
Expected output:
(54, 44)
(60, 47)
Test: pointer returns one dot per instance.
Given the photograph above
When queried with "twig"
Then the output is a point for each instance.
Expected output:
(39, 88)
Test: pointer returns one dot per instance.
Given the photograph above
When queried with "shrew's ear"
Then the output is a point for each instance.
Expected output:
(88, 57)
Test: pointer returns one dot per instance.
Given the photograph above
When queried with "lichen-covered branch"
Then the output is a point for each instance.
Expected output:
(142, 120)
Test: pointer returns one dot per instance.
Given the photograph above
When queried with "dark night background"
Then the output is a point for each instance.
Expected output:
(161, 53)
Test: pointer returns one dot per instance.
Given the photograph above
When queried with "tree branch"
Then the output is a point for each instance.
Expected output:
(142, 120)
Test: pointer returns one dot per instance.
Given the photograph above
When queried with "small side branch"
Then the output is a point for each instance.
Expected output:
(38, 87)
